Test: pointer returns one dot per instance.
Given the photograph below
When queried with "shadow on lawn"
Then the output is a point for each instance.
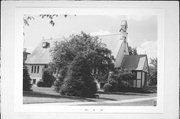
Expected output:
(44, 95)
(124, 93)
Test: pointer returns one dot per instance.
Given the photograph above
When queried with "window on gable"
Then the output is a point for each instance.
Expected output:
(37, 69)
(138, 75)
(32, 69)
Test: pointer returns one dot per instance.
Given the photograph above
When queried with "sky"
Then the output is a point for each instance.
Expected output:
(142, 30)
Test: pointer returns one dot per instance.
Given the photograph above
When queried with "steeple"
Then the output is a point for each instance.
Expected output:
(124, 34)
(123, 30)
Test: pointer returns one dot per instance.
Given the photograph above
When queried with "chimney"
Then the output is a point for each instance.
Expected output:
(25, 49)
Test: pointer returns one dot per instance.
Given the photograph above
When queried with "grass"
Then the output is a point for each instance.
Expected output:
(48, 95)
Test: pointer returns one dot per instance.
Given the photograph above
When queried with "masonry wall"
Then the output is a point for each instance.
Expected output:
(35, 72)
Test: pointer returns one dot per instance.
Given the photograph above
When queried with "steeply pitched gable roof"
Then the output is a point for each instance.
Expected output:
(113, 43)
(41, 55)
(134, 62)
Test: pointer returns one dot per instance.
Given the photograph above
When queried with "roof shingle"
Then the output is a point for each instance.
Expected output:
(134, 62)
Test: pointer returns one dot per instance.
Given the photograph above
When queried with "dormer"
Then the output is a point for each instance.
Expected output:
(45, 45)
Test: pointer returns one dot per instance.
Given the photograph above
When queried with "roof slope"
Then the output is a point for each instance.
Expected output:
(113, 43)
(41, 55)
(134, 62)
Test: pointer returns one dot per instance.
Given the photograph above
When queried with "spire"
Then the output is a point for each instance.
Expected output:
(123, 30)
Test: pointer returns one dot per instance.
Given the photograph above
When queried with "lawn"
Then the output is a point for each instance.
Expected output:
(48, 95)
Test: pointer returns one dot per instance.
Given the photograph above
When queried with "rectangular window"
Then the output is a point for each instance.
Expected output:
(138, 75)
(32, 69)
(143, 77)
(138, 83)
(37, 69)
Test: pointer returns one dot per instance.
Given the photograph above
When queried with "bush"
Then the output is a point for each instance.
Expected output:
(125, 80)
(26, 80)
(108, 87)
(40, 83)
(118, 81)
(79, 81)
(48, 78)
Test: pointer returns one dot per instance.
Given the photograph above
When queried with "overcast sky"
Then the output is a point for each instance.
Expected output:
(142, 30)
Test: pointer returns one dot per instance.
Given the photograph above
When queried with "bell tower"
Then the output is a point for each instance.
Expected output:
(123, 49)
(123, 30)
(124, 34)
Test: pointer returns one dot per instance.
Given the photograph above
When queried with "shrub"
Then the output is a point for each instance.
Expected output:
(26, 80)
(108, 87)
(79, 81)
(125, 80)
(40, 83)
(48, 78)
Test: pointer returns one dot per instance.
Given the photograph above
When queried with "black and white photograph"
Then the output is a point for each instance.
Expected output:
(89, 60)
(84, 60)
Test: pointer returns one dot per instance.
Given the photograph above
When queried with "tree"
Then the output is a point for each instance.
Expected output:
(65, 51)
(26, 80)
(153, 71)
(28, 18)
(79, 81)
(132, 51)
(47, 77)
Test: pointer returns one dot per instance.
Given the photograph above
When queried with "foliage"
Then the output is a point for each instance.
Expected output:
(101, 77)
(48, 78)
(40, 83)
(28, 18)
(112, 79)
(26, 80)
(125, 79)
(58, 83)
(79, 81)
(119, 80)
(108, 87)
(65, 51)
(153, 71)
(132, 51)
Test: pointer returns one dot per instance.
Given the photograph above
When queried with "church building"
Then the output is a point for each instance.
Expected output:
(138, 64)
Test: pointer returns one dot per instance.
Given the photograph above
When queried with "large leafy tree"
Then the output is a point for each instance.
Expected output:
(153, 71)
(64, 52)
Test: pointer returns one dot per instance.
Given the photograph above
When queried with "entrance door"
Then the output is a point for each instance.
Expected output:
(34, 81)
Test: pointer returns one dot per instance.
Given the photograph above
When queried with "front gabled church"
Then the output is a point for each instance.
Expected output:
(138, 64)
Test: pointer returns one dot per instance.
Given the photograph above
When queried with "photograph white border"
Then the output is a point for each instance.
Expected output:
(18, 101)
